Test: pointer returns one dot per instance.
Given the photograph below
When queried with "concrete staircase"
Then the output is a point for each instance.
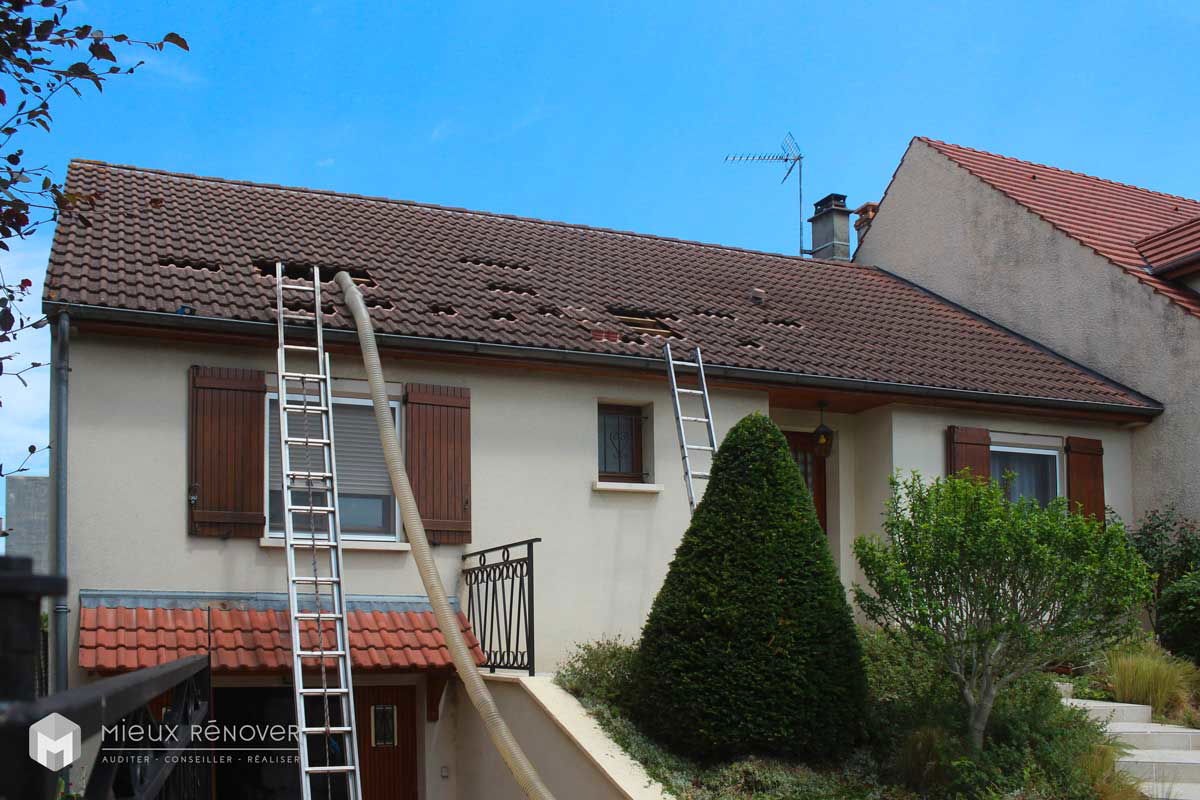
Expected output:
(1166, 758)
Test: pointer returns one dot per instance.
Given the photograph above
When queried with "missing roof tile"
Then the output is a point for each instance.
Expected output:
(188, 263)
(443, 308)
(382, 305)
(511, 288)
(643, 322)
(504, 316)
(550, 311)
(714, 312)
(301, 270)
(753, 344)
(304, 307)
(482, 261)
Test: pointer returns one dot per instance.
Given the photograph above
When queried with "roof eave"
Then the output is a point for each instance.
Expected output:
(617, 360)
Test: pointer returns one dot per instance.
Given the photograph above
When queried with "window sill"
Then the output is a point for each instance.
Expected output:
(633, 488)
(347, 544)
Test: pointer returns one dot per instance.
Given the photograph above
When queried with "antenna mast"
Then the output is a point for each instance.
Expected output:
(789, 154)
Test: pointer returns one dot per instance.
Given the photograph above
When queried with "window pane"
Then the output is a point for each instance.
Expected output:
(383, 726)
(1035, 474)
(364, 486)
(618, 442)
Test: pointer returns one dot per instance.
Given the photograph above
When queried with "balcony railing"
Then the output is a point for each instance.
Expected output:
(499, 584)
(148, 749)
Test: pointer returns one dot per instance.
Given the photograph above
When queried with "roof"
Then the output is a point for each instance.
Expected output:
(1173, 248)
(113, 639)
(166, 242)
(1109, 217)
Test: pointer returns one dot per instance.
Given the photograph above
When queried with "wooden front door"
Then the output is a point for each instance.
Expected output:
(812, 467)
(386, 717)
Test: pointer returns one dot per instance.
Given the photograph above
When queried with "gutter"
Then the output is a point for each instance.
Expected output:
(618, 360)
(62, 371)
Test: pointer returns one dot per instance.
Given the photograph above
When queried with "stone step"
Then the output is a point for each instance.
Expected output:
(1155, 736)
(1163, 766)
(1105, 711)
(1171, 791)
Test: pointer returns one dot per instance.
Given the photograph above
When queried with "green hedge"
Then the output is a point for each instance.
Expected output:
(1179, 617)
(750, 646)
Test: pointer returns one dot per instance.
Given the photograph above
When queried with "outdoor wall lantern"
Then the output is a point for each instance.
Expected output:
(823, 435)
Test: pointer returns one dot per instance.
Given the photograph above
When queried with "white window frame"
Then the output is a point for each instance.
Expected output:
(1041, 451)
(396, 535)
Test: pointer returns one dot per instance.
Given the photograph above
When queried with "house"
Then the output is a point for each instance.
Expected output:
(1102, 272)
(524, 358)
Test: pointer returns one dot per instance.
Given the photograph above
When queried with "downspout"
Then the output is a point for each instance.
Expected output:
(62, 370)
(518, 763)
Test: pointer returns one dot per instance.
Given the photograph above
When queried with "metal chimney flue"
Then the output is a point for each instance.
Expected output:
(831, 228)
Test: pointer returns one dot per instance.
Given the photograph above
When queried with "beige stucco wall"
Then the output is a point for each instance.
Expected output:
(944, 229)
(602, 555)
(574, 758)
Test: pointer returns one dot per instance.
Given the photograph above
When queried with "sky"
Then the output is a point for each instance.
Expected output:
(619, 114)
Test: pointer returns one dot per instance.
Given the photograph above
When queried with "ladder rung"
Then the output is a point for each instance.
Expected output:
(302, 376)
(295, 509)
(301, 473)
(309, 544)
(699, 447)
(689, 391)
(297, 287)
(308, 441)
(331, 729)
(321, 653)
(313, 615)
(685, 363)
(306, 409)
(303, 348)
(316, 580)
(694, 419)
(699, 474)
(299, 315)
(327, 770)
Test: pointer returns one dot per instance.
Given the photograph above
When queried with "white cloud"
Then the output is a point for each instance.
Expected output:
(326, 162)
(441, 130)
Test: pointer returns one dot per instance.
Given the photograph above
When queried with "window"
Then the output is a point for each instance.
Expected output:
(812, 467)
(619, 444)
(1035, 472)
(383, 725)
(365, 501)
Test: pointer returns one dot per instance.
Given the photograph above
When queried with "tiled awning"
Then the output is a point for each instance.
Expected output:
(117, 638)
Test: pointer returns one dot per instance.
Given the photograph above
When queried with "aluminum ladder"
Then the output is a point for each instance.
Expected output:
(313, 540)
(681, 419)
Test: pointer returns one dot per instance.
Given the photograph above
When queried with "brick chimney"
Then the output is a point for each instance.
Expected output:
(866, 212)
(831, 228)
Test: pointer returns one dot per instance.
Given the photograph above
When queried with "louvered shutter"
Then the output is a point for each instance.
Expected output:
(1085, 476)
(437, 454)
(969, 448)
(225, 451)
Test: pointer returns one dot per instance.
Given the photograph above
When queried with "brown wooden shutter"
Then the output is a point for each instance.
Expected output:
(1085, 476)
(437, 454)
(969, 448)
(226, 426)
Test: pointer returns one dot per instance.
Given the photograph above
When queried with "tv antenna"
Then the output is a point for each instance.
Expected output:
(789, 154)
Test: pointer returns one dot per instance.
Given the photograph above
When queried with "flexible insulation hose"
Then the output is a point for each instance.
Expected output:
(518, 763)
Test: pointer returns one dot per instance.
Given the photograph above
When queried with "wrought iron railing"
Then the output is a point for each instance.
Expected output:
(147, 720)
(499, 585)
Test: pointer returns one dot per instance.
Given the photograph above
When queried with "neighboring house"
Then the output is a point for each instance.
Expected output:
(27, 499)
(1102, 272)
(524, 361)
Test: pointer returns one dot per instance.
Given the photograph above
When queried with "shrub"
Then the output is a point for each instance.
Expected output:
(1150, 676)
(992, 589)
(1179, 617)
(907, 692)
(598, 670)
(1170, 545)
(749, 647)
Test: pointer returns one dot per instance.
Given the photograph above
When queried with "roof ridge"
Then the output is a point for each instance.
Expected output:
(931, 141)
(460, 210)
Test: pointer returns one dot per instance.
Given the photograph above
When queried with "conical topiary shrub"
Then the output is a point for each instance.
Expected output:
(750, 647)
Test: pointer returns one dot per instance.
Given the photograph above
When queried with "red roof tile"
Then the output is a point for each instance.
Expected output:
(118, 639)
(1110, 218)
(1172, 248)
(157, 241)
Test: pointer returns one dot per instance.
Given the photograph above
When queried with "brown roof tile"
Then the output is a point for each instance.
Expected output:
(158, 241)
(1114, 219)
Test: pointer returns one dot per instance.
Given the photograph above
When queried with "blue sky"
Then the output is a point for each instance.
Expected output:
(619, 114)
